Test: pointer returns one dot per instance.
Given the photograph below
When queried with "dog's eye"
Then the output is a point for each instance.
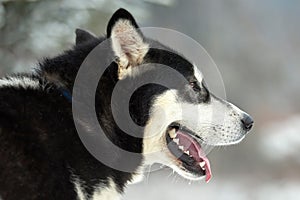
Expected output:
(195, 86)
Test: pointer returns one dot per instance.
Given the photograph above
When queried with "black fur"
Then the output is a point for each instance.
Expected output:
(83, 36)
(40, 149)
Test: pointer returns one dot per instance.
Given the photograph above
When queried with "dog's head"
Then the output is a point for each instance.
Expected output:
(179, 122)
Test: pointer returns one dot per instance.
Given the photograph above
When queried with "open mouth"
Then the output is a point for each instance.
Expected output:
(184, 145)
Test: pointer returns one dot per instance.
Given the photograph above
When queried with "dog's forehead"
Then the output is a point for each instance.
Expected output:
(172, 59)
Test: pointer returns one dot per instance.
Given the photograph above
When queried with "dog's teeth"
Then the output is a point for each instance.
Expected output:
(202, 164)
(176, 141)
(181, 148)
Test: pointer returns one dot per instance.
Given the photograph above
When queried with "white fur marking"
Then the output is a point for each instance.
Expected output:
(77, 187)
(101, 192)
(138, 176)
(23, 82)
(198, 74)
(79, 191)
(109, 192)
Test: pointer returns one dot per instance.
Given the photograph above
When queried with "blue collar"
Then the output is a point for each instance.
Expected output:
(66, 93)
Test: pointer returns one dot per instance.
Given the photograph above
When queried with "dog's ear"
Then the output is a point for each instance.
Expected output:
(127, 41)
(83, 36)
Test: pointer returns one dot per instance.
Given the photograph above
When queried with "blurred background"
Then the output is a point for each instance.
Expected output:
(255, 44)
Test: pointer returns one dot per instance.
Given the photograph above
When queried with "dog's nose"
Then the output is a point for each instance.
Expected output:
(247, 122)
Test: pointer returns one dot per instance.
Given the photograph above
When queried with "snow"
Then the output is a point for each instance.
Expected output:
(281, 139)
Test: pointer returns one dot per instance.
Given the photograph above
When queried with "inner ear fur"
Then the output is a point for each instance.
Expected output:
(127, 41)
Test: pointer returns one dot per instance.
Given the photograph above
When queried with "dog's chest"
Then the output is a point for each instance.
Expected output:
(107, 192)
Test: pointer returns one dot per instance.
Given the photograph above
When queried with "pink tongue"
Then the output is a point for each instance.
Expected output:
(196, 151)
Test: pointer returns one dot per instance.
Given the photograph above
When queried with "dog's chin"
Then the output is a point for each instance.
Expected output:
(188, 157)
(183, 172)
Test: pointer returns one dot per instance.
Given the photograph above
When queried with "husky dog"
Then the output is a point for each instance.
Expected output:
(41, 154)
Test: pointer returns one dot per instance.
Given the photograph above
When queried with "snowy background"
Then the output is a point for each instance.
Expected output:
(255, 44)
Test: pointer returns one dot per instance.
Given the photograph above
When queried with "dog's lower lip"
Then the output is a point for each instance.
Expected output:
(186, 149)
